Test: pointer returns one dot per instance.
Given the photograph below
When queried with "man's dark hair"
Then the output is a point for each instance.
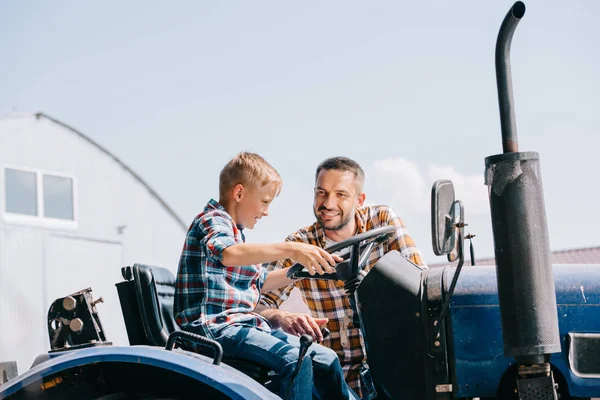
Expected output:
(343, 164)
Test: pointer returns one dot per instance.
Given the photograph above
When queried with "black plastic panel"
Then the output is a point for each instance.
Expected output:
(390, 304)
(584, 354)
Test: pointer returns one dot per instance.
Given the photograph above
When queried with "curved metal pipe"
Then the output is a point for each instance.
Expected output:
(199, 340)
(508, 123)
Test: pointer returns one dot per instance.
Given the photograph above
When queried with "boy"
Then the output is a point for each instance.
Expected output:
(219, 282)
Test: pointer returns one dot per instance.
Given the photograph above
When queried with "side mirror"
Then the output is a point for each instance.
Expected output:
(447, 230)
(445, 214)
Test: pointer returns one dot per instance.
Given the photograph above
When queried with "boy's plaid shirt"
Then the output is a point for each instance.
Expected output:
(208, 295)
(327, 299)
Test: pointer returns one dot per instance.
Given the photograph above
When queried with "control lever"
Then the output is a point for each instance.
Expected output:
(305, 342)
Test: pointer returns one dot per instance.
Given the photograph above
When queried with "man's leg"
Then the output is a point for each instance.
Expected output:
(256, 345)
(328, 376)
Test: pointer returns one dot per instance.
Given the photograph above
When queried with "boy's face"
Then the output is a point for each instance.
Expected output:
(336, 198)
(253, 204)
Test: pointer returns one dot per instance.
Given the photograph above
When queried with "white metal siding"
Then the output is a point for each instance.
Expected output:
(23, 332)
(66, 262)
(92, 253)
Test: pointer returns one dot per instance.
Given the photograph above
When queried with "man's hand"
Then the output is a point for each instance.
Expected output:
(300, 323)
(314, 258)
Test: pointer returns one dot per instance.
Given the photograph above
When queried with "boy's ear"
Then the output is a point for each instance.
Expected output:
(238, 192)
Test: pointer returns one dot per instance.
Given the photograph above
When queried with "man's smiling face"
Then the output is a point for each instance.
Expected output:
(337, 196)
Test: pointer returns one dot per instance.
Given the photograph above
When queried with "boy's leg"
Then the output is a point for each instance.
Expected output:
(264, 348)
(328, 376)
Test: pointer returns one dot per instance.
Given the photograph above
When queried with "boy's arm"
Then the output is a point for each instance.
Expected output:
(275, 280)
(220, 243)
(314, 258)
(274, 298)
(290, 322)
(251, 253)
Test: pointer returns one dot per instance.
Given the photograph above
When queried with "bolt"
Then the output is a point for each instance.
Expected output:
(69, 303)
(76, 325)
(100, 300)
(417, 315)
(437, 343)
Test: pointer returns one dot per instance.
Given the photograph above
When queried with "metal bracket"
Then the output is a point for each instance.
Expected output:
(540, 388)
(73, 322)
(445, 388)
(8, 371)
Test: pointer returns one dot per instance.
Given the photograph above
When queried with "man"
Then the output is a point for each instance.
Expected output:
(340, 213)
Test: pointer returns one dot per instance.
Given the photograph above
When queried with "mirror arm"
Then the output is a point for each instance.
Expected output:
(461, 260)
(471, 249)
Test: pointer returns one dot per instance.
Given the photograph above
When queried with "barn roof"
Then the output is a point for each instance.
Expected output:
(152, 192)
(583, 255)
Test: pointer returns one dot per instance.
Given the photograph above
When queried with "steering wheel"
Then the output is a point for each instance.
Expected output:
(358, 258)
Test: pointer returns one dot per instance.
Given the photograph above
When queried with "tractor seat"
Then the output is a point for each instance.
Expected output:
(146, 297)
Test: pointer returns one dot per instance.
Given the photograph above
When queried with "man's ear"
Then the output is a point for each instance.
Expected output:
(361, 199)
(238, 192)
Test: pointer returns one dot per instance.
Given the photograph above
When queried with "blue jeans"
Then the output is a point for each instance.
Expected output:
(279, 351)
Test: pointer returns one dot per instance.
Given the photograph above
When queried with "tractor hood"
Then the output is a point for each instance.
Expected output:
(475, 330)
(90, 372)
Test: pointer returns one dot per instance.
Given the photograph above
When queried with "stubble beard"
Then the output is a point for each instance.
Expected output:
(343, 223)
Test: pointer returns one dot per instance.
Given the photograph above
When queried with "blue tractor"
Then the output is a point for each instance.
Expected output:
(522, 330)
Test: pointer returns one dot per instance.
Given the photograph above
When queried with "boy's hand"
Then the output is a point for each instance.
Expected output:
(314, 258)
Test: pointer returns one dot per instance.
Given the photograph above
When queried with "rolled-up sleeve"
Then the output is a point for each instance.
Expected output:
(262, 277)
(275, 298)
(402, 241)
(219, 235)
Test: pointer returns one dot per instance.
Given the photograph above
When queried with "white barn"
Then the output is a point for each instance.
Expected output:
(71, 215)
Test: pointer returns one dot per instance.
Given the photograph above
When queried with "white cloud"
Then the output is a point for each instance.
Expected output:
(399, 183)
(469, 188)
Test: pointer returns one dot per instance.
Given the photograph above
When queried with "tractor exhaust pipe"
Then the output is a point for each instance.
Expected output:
(504, 77)
(526, 291)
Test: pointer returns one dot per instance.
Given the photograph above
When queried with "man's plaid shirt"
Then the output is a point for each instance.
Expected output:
(208, 295)
(327, 299)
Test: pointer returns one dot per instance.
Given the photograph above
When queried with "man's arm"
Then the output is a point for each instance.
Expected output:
(293, 323)
(401, 240)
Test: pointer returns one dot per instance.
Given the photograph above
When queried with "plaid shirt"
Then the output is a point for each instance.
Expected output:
(208, 295)
(327, 299)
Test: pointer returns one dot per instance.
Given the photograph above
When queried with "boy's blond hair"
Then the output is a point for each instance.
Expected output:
(247, 169)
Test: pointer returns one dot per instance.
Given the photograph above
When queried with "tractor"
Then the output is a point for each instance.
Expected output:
(524, 329)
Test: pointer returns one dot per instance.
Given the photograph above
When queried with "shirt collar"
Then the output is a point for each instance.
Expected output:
(215, 205)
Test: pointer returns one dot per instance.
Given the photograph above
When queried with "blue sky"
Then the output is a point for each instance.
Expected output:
(405, 88)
